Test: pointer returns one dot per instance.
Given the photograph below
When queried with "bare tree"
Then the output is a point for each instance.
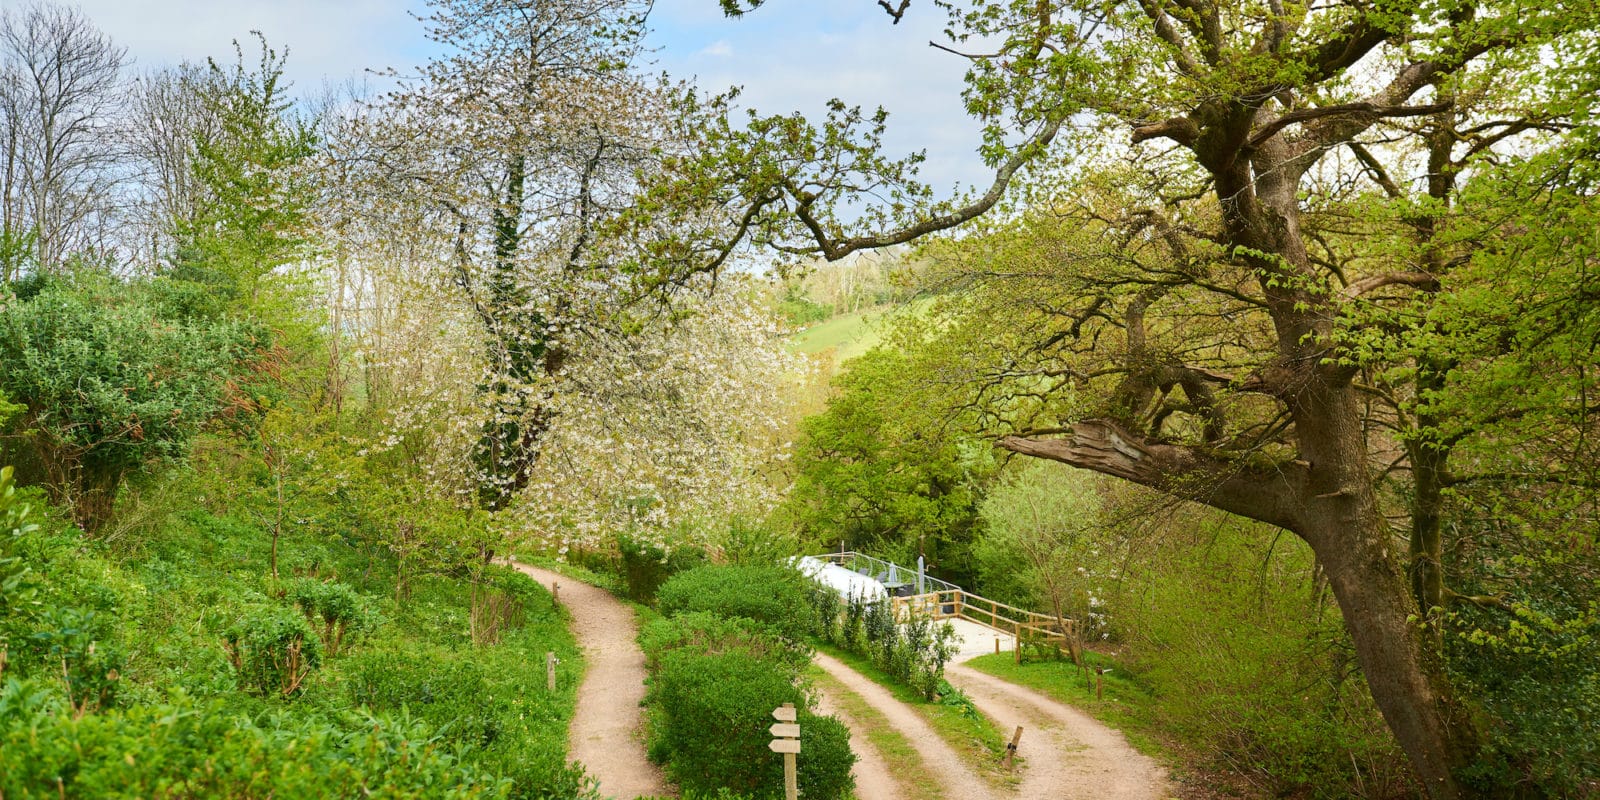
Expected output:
(58, 102)
(167, 113)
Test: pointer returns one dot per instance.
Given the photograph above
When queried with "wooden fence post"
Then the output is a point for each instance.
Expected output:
(1011, 749)
(1016, 640)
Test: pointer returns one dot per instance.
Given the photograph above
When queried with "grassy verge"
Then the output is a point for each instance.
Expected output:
(974, 736)
(905, 766)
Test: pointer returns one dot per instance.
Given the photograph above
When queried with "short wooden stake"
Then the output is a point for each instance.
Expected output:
(555, 594)
(1099, 685)
(1016, 634)
(550, 671)
(1011, 749)
(997, 645)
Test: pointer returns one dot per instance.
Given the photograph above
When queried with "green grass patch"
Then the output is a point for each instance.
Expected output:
(848, 335)
(974, 736)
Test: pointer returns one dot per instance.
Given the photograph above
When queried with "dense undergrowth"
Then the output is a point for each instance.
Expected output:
(730, 648)
(167, 660)
(1226, 656)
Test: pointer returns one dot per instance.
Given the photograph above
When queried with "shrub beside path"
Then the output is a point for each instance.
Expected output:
(607, 732)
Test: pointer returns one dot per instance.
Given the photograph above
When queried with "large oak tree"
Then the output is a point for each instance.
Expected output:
(1262, 334)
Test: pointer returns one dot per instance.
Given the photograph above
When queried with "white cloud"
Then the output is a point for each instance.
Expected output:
(717, 49)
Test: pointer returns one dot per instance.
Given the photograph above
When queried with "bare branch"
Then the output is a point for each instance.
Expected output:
(1182, 130)
(835, 249)
(1367, 110)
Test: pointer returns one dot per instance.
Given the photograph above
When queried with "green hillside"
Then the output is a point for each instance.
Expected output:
(850, 335)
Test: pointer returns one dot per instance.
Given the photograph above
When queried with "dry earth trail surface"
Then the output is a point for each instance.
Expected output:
(607, 734)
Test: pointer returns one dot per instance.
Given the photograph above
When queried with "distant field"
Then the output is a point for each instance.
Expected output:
(849, 335)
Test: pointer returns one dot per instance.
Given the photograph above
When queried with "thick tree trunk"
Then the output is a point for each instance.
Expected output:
(1345, 528)
(1326, 499)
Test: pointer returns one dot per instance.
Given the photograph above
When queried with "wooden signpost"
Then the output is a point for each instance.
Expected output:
(787, 742)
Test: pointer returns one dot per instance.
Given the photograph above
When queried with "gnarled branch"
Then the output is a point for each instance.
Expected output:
(1265, 494)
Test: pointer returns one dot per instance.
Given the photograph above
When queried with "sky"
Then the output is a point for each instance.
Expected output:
(790, 55)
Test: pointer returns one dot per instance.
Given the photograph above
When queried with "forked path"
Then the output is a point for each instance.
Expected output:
(945, 771)
(1071, 755)
(607, 734)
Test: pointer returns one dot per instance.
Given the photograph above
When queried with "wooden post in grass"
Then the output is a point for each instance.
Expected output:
(1011, 749)
(1100, 684)
(787, 743)
(555, 594)
(550, 671)
(1016, 638)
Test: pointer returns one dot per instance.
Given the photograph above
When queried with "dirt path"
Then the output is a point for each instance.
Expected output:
(873, 778)
(944, 765)
(1070, 754)
(606, 734)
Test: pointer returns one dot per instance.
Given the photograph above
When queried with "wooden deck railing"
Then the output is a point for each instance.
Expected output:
(1019, 622)
(943, 600)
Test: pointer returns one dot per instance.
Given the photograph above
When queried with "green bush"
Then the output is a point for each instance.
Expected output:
(112, 382)
(773, 596)
(825, 758)
(913, 651)
(484, 708)
(21, 586)
(708, 634)
(455, 697)
(712, 712)
(339, 614)
(180, 749)
(274, 650)
(76, 639)
(646, 565)
(56, 620)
